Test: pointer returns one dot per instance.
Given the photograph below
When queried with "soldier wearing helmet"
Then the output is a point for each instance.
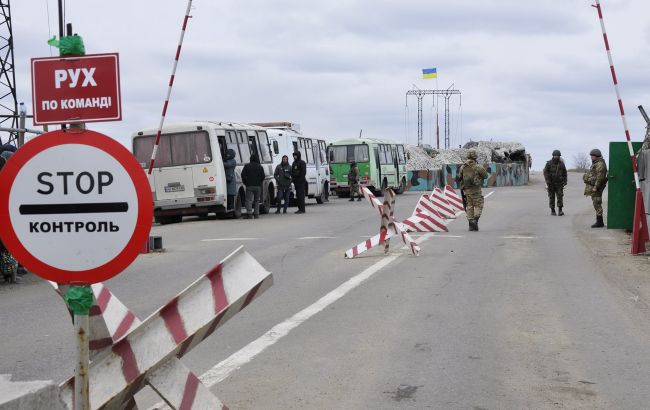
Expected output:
(595, 181)
(556, 179)
(471, 181)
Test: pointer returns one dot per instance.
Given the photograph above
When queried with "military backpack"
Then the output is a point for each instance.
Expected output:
(471, 178)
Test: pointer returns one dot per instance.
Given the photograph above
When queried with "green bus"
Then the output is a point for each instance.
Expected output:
(382, 164)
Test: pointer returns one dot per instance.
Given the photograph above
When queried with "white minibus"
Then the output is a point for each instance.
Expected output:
(285, 139)
(188, 177)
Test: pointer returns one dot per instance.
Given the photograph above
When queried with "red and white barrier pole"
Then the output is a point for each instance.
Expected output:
(640, 229)
(169, 89)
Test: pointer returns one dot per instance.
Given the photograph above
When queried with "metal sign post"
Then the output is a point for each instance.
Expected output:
(79, 300)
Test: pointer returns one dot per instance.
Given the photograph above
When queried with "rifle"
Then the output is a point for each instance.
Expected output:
(462, 194)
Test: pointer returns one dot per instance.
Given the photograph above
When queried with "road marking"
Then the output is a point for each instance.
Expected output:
(222, 370)
(318, 237)
(488, 194)
(518, 237)
(448, 236)
(228, 239)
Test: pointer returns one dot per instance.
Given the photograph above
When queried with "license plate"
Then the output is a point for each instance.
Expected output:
(178, 188)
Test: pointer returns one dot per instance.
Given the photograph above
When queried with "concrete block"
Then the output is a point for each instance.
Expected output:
(34, 395)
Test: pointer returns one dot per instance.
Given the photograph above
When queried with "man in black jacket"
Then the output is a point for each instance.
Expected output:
(252, 177)
(298, 173)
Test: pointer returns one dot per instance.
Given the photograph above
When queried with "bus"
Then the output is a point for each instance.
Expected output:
(286, 138)
(382, 164)
(188, 176)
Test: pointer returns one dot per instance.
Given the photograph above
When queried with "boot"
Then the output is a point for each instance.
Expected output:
(553, 211)
(351, 198)
(471, 226)
(476, 224)
(358, 199)
(560, 213)
(284, 211)
(278, 211)
(599, 222)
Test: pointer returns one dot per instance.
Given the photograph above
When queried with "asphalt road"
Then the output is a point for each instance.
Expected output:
(523, 314)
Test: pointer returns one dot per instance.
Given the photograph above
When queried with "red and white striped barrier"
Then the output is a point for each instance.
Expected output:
(454, 199)
(149, 353)
(421, 222)
(374, 202)
(640, 233)
(109, 319)
(388, 228)
(169, 87)
(443, 206)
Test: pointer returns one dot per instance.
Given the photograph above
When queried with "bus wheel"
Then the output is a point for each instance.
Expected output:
(324, 194)
(236, 213)
(402, 187)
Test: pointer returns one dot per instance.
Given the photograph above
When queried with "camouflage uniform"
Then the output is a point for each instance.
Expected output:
(555, 176)
(596, 178)
(353, 181)
(471, 180)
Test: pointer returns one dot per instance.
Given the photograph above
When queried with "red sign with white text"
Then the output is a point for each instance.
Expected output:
(76, 89)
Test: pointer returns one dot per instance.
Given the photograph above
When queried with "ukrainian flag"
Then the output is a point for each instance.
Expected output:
(429, 73)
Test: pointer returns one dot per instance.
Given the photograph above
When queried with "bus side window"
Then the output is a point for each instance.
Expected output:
(276, 148)
(295, 146)
(264, 147)
(232, 144)
(309, 154)
(400, 154)
(222, 145)
(253, 146)
(244, 148)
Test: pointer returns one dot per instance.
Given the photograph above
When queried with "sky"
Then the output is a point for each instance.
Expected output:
(531, 72)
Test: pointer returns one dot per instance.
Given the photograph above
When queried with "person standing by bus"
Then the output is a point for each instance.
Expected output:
(252, 176)
(353, 181)
(231, 179)
(282, 176)
(298, 175)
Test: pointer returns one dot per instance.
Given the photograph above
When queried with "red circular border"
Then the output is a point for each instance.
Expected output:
(140, 182)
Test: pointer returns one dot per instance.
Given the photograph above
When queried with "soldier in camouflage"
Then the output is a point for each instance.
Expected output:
(556, 179)
(353, 182)
(471, 181)
(595, 181)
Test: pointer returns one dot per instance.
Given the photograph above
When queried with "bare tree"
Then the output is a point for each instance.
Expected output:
(581, 162)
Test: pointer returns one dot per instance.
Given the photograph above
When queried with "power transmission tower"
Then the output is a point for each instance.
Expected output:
(419, 94)
(8, 100)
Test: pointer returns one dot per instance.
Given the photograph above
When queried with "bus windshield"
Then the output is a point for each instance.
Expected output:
(344, 154)
(186, 148)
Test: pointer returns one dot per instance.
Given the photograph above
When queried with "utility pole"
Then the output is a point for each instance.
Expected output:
(419, 94)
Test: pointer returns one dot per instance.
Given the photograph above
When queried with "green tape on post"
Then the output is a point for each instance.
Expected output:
(79, 299)
(69, 45)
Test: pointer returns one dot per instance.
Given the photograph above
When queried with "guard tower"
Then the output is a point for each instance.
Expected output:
(8, 101)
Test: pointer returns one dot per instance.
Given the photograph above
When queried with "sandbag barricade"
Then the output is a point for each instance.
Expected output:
(148, 352)
(388, 227)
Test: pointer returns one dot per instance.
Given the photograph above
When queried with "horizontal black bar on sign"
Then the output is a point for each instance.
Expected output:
(88, 208)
